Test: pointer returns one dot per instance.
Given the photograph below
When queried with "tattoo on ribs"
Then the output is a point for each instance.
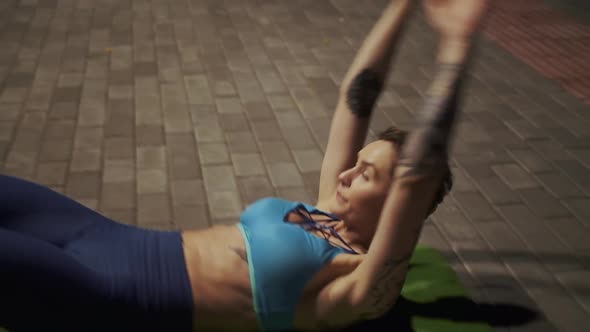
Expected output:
(363, 93)
(427, 146)
(390, 280)
(241, 252)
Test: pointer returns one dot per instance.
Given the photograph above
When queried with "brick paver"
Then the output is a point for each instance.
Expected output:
(179, 113)
(551, 42)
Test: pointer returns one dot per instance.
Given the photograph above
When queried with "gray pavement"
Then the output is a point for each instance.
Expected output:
(176, 114)
(577, 9)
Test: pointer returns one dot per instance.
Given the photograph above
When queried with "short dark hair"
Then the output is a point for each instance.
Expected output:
(398, 137)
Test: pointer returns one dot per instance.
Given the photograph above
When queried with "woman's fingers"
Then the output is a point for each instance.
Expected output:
(455, 18)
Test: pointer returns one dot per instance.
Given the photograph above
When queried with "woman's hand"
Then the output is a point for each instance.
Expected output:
(455, 19)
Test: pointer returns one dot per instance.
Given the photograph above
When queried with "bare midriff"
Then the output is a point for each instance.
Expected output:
(220, 279)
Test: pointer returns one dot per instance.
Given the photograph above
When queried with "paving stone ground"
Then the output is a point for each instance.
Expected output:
(177, 114)
(544, 35)
(577, 9)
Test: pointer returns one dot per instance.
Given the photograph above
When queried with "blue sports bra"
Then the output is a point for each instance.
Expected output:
(283, 256)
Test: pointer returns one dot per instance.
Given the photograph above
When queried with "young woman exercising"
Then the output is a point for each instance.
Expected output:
(284, 265)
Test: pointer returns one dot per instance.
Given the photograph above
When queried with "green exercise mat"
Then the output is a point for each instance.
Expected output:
(433, 300)
(431, 281)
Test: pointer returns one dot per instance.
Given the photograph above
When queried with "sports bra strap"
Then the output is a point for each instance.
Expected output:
(309, 224)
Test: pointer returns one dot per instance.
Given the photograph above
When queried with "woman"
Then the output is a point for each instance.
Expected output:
(287, 265)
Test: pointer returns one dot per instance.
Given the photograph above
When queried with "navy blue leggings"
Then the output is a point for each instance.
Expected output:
(64, 267)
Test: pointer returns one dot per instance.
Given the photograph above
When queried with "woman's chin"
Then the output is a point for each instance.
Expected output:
(337, 207)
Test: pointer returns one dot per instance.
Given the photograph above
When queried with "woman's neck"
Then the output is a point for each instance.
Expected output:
(351, 237)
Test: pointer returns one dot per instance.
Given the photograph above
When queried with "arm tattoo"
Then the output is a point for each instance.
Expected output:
(388, 285)
(427, 146)
(363, 93)
(241, 252)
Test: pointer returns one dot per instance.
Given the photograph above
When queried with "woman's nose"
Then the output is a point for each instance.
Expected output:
(346, 177)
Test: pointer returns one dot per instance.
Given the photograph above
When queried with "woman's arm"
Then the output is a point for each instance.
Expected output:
(379, 278)
(359, 91)
(375, 284)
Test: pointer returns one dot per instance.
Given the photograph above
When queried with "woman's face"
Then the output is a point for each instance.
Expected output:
(363, 188)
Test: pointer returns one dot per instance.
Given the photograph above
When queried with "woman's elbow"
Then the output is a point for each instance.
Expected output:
(373, 302)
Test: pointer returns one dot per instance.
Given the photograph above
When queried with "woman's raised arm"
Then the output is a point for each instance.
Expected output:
(359, 91)
(379, 278)
(374, 286)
